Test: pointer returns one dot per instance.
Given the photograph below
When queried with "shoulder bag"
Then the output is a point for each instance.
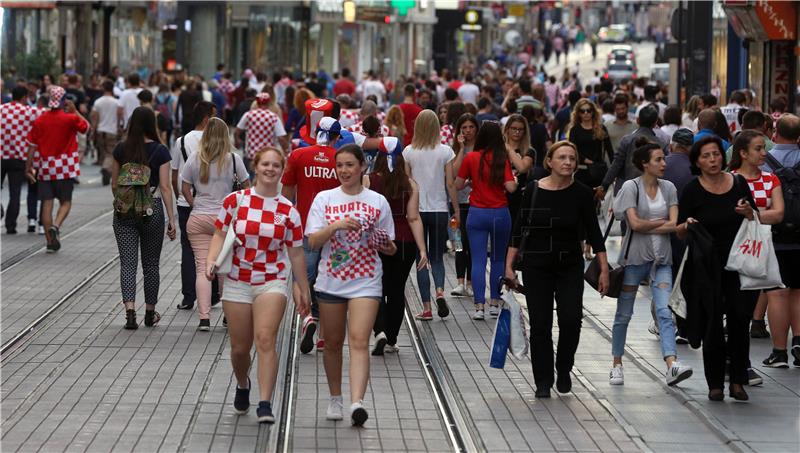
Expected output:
(526, 231)
(224, 261)
(237, 185)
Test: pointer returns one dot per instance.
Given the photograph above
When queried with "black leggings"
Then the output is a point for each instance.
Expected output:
(463, 258)
(131, 234)
(395, 274)
(564, 283)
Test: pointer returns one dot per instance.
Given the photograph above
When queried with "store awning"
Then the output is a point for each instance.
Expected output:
(763, 20)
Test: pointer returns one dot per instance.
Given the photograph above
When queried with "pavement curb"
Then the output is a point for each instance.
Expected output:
(712, 422)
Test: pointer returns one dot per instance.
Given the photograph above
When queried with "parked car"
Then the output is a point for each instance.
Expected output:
(621, 52)
(620, 71)
(614, 33)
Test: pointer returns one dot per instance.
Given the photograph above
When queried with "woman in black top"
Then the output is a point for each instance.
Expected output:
(552, 266)
(719, 202)
(517, 137)
(540, 139)
(143, 146)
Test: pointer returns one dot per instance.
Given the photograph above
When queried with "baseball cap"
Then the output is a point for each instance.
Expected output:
(683, 137)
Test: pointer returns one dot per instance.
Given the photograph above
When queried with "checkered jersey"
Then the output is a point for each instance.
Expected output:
(262, 130)
(56, 168)
(762, 188)
(381, 116)
(15, 122)
(447, 134)
(348, 118)
(359, 129)
(226, 87)
(265, 227)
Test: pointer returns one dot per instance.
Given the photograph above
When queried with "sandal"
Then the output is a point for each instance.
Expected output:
(151, 318)
(130, 319)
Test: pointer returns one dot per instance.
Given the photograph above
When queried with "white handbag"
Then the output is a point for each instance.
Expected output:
(224, 262)
(676, 300)
(751, 248)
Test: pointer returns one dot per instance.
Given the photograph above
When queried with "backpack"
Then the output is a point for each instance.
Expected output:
(164, 109)
(789, 228)
(133, 198)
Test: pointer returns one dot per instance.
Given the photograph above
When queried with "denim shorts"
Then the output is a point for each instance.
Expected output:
(325, 298)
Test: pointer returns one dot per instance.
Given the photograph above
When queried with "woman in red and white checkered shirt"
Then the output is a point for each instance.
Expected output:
(256, 289)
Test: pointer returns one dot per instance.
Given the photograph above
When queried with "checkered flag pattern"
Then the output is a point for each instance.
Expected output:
(260, 126)
(447, 134)
(15, 122)
(61, 167)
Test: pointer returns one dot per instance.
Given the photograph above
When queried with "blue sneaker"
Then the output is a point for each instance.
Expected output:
(241, 402)
(264, 412)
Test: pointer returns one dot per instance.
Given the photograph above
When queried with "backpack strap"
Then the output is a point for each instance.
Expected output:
(183, 149)
(233, 163)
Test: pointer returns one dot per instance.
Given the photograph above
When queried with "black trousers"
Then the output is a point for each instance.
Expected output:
(463, 258)
(396, 269)
(564, 284)
(188, 273)
(738, 308)
(15, 170)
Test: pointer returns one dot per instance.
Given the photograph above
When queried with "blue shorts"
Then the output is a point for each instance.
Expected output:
(325, 298)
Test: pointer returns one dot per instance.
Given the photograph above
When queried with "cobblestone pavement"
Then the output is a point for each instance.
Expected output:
(79, 382)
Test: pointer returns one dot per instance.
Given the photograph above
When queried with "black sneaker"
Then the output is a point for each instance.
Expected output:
(130, 320)
(680, 339)
(264, 412)
(441, 307)
(563, 383)
(778, 359)
(542, 392)
(307, 340)
(796, 350)
(205, 325)
(184, 305)
(11, 230)
(55, 239)
(753, 378)
(241, 402)
(758, 329)
(151, 318)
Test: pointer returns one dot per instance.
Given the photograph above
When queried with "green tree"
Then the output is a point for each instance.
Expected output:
(41, 61)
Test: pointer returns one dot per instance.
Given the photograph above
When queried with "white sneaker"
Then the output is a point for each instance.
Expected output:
(358, 415)
(335, 408)
(391, 348)
(380, 344)
(40, 230)
(494, 310)
(678, 372)
(653, 328)
(468, 291)
(478, 315)
(458, 291)
(616, 377)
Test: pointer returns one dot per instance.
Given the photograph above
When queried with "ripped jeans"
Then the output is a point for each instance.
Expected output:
(661, 285)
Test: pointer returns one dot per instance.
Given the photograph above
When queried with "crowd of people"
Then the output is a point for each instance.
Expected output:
(349, 184)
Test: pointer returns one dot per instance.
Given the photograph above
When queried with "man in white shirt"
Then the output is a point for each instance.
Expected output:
(181, 150)
(106, 118)
(372, 86)
(129, 98)
(469, 92)
(731, 111)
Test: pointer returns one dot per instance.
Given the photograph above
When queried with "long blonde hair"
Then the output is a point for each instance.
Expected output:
(426, 131)
(215, 145)
(597, 125)
(395, 120)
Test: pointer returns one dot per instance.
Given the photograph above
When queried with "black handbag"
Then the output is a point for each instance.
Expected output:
(526, 231)
(615, 275)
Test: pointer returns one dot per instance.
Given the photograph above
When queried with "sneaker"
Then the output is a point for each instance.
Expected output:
(50, 248)
(468, 291)
(681, 339)
(184, 305)
(653, 328)
(753, 378)
(358, 415)
(478, 315)
(677, 373)
(459, 291)
(264, 412)
(31, 225)
(205, 325)
(441, 307)
(241, 402)
(615, 377)
(55, 238)
(309, 329)
(778, 359)
(563, 383)
(494, 310)
(151, 318)
(320, 345)
(335, 408)
(758, 329)
(796, 350)
(380, 344)
(40, 230)
(224, 322)
(11, 230)
(426, 315)
(391, 349)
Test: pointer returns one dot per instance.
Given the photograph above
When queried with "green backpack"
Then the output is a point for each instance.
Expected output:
(133, 198)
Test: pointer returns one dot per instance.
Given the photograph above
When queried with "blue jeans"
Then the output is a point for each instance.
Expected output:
(434, 233)
(484, 225)
(661, 285)
(312, 263)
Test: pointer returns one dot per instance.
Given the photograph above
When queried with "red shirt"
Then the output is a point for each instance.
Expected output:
(410, 113)
(311, 170)
(762, 188)
(54, 132)
(344, 86)
(484, 194)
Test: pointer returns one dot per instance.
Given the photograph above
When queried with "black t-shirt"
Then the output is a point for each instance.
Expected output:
(75, 95)
(715, 212)
(515, 197)
(157, 155)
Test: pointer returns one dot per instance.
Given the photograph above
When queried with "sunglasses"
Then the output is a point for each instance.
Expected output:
(517, 130)
(585, 111)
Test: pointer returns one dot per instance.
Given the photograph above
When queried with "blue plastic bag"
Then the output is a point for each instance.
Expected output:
(501, 339)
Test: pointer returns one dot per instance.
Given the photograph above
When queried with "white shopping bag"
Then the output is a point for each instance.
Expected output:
(772, 279)
(676, 300)
(519, 335)
(751, 249)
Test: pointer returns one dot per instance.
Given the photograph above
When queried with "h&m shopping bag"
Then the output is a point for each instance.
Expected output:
(771, 280)
(501, 339)
(750, 250)
(676, 300)
(519, 335)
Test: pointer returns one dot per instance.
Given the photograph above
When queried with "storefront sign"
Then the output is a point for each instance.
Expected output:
(516, 10)
(780, 78)
(472, 20)
(779, 19)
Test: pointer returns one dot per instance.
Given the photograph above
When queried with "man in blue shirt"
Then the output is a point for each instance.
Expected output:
(706, 121)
